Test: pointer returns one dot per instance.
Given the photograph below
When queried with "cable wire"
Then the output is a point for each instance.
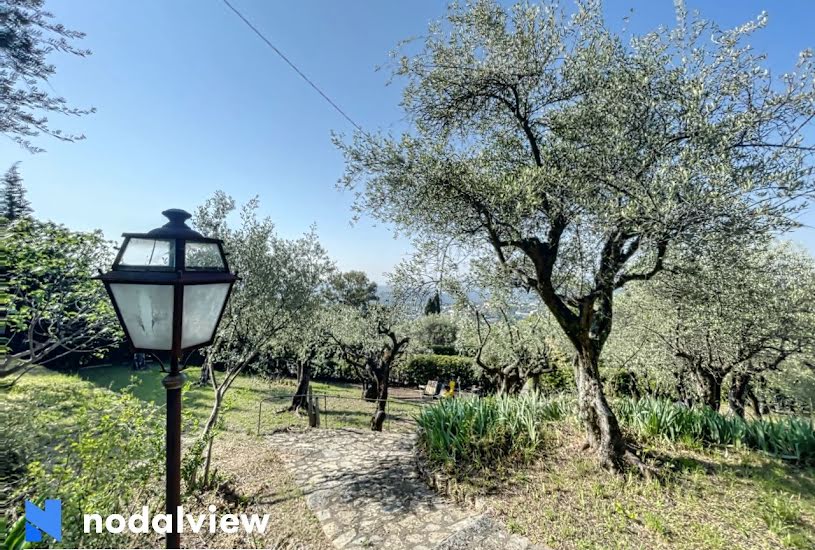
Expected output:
(292, 65)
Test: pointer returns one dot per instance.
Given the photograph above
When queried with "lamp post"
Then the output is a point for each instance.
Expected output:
(169, 288)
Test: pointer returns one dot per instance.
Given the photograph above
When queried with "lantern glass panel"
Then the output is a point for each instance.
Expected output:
(147, 312)
(203, 256)
(202, 309)
(148, 253)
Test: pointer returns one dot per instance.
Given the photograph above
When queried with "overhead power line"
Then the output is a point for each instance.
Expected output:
(292, 65)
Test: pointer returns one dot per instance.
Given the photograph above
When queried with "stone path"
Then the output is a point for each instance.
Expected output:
(366, 492)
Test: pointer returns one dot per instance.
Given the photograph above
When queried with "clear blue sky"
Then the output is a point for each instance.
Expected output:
(190, 101)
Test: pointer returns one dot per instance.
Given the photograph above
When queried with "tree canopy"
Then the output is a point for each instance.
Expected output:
(739, 313)
(28, 37)
(54, 308)
(280, 280)
(352, 288)
(580, 159)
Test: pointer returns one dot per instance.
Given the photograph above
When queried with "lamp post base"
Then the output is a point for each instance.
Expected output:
(173, 383)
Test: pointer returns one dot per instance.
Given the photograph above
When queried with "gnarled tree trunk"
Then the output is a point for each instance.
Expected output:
(532, 384)
(300, 396)
(709, 387)
(758, 408)
(739, 388)
(378, 418)
(203, 379)
(603, 435)
(370, 389)
(684, 393)
(381, 372)
(374, 368)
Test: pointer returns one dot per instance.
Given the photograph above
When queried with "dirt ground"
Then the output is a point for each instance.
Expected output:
(257, 483)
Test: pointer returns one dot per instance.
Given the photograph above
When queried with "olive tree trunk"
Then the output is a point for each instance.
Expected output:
(378, 418)
(737, 396)
(300, 396)
(532, 384)
(203, 379)
(370, 389)
(709, 387)
(758, 408)
(603, 435)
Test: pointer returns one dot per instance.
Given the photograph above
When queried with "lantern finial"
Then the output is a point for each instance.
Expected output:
(177, 217)
(176, 228)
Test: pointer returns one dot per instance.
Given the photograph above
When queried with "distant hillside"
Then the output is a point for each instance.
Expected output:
(527, 302)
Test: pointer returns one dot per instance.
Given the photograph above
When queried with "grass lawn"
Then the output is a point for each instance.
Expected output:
(340, 403)
(53, 411)
(706, 498)
(723, 498)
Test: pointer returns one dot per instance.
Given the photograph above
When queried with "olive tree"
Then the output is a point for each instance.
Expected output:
(789, 388)
(371, 341)
(307, 342)
(280, 285)
(352, 288)
(581, 158)
(737, 313)
(511, 352)
(28, 37)
(641, 360)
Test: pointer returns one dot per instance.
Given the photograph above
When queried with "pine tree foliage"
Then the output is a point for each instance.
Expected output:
(14, 205)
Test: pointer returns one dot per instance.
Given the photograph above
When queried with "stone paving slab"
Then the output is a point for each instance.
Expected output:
(366, 492)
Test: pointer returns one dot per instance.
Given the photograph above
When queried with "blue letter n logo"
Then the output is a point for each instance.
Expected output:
(48, 521)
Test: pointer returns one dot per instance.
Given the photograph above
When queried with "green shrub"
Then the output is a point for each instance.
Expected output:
(334, 370)
(418, 369)
(621, 383)
(560, 380)
(435, 330)
(462, 436)
(789, 438)
(96, 450)
(442, 349)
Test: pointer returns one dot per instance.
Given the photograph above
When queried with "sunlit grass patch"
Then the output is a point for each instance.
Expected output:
(705, 498)
(341, 407)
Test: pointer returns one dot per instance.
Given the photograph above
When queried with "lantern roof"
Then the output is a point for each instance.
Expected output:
(175, 228)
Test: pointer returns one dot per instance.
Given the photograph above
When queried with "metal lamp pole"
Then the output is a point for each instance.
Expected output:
(173, 383)
(169, 288)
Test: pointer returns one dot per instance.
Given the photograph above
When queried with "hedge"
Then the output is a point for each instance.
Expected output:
(418, 369)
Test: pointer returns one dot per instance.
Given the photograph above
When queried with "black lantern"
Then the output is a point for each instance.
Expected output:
(169, 288)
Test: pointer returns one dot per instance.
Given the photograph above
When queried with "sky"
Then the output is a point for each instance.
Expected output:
(190, 101)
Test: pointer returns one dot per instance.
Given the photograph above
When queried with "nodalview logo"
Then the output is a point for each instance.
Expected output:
(47, 520)
(179, 522)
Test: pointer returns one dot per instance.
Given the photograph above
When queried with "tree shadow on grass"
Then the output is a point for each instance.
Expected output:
(148, 387)
(772, 474)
